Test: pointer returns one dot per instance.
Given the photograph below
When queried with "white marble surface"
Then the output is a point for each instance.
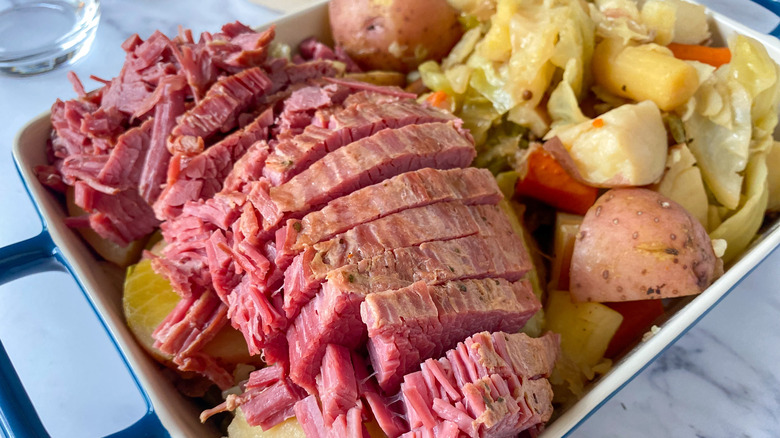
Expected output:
(722, 379)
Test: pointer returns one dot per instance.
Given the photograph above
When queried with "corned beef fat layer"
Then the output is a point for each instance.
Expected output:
(337, 225)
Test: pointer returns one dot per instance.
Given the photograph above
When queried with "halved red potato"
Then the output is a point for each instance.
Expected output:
(636, 244)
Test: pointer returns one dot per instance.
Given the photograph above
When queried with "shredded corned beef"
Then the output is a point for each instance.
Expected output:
(334, 223)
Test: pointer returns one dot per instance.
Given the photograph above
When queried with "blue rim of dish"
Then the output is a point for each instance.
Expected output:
(18, 417)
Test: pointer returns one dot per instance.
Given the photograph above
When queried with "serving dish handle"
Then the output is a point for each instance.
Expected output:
(18, 417)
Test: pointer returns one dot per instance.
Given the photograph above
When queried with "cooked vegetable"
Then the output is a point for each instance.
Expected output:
(638, 316)
(239, 428)
(440, 99)
(683, 184)
(543, 178)
(645, 72)
(394, 34)
(623, 147)
(586, 330)
(714, 56)
(379, 77)
(567, 227)
(636, 244)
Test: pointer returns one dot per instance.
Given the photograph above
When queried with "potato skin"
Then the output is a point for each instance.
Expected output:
(394, 34)
(636, 244)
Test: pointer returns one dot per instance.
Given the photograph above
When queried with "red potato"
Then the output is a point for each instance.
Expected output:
(636, 244)
(394, 35)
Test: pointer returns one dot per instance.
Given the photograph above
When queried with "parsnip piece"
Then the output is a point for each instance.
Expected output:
(646, 72)
(623, 147)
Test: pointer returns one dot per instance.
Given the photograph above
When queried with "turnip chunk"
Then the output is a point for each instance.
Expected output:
(624, 147)
(636, 244)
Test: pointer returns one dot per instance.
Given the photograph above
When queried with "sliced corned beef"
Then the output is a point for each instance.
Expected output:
(268, 398)
(336, 383)
(203, 175)
(123, 169)
(257, 317)
(333, 315)
(247, 168)
(192, 324)
(490, 385)
(364, 162)
(309, 416)
(410, 227)
(121, 218)
(387, 411)
(353, 123)
(169, 107)
(408, 190)
(273, 405)
(66, 119)
(225, 100)
(283, 73)
(407, 326)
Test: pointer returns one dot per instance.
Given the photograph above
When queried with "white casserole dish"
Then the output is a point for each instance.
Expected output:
(178, 416)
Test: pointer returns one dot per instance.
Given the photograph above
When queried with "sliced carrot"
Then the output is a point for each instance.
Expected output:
(545, 180)
(714, 56)
(439, 99)
(637, 319)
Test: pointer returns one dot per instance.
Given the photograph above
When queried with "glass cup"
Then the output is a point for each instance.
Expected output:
(37, 36)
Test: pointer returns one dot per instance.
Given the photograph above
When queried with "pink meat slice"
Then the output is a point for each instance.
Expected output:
(218, 111)
(490, 385)
(292, 156)
(411, 227)
(364, 162)
(333, 316)
(336, 383)
(409, 190)
(202, 176)
(408, 325)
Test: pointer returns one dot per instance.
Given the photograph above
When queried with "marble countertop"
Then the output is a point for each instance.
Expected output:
(721, 379)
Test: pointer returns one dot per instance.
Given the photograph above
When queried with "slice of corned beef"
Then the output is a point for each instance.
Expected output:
(364, 162)
(490, 385)
(268, 399)
(387, 411)
(284, 74)
(310, 49)
(257, 317)
(336, 383)
(247, 168)
(125, 163)
(202, 175)
(333, 316)
(66, 120)
(121, 218)
(168, 108)
(309, 416)
(407, 326)
(410, 227)
(346, 126)
(273, 405)
(218, 111)
(409, 190)
(193, 323)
